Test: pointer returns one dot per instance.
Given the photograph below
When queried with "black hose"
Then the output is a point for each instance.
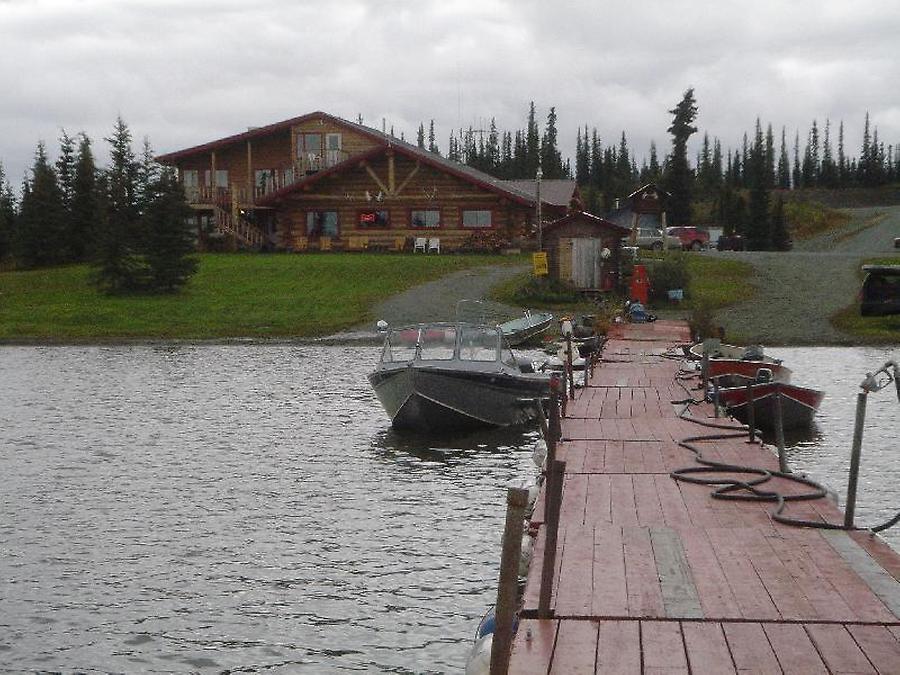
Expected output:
(748, 490)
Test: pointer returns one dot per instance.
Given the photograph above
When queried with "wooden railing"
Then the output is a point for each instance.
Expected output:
(239, 227)
(307, 164)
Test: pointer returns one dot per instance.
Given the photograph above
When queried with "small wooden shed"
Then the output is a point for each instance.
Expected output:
(574, 246)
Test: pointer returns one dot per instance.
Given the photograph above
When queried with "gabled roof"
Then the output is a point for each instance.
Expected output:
(258, 132)
(587, 217)
(652, 187)
(554, 191)
(386, 141)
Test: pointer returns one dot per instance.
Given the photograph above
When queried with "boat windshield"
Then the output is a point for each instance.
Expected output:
(478, 343)
(437, 343)
(402, 345)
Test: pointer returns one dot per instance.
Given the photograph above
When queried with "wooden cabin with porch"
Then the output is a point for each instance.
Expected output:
(318, 182)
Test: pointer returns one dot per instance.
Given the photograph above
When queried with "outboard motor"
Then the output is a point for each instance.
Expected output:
(764, 376)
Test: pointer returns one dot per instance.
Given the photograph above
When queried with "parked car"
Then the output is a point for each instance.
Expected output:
(731, 242)
(880, 294)
(691, 238)
(648, 237)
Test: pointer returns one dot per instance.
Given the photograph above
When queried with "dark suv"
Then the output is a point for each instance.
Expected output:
(691, 238)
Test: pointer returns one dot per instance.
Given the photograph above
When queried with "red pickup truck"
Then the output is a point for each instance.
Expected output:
(692, 238)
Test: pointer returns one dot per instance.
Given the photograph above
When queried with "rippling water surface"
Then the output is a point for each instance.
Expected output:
(236, 507)
(211, 508)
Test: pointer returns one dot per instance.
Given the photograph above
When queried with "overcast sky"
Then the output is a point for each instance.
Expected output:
(185, 72)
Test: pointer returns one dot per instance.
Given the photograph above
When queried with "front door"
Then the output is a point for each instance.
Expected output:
(586, 263)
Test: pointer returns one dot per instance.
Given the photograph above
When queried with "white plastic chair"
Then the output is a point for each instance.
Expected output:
(434, 245)
(421, 244)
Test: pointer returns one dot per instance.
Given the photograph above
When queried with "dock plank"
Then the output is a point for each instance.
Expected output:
(707, 649)
(880, 647)
(794, 650)
(750, 649)
(663, 648)
(576, 648)
(532, 651)
(838, 649)
(619, 648)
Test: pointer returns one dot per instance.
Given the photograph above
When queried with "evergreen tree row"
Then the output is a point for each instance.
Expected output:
(128, 220)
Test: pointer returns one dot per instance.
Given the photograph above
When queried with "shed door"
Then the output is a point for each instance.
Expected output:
(586, 262)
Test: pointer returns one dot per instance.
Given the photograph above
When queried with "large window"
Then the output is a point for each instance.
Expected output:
(476, 218)
(221, 178)
(425, 218)
(190, 178)
(374, 219)
(322, 223)
(309, 144)
(265, 180)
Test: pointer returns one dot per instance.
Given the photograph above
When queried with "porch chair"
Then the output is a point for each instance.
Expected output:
(434, 245)
(421, 244)
(324, 243)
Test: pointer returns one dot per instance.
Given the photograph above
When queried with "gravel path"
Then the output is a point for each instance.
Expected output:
(800, 289)
(436, 301)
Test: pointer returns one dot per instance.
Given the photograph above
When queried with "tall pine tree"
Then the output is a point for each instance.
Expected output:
(679, 176)
(41, 227)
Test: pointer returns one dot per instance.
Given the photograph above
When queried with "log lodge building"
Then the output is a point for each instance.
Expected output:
(318, 182)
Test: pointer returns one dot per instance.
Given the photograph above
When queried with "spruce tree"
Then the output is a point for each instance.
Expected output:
(7, 216)
(679, 177)
(779, 236)
(597, 176)
(85, 208)
(146, 178)
(41, 227)
(432, 142)
(797, 173)
(532, 145)
(65, 168)
(420, 136)
(829, 174)
(770, 158)
(492, 149)
(118, 267)
(168, 239)
(757, 226)
(582, 158)
(784, 168)
(551, 158)
(842, 170)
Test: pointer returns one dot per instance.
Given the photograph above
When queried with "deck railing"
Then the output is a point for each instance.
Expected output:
(306, 164)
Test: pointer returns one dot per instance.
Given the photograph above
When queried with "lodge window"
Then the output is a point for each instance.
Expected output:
(221, 178)
(476, 218)
(321, 223)
(425, 218)
(190, 178)
(374, 219)
(265, 179)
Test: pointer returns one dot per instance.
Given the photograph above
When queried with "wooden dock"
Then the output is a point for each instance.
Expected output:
(653, 575)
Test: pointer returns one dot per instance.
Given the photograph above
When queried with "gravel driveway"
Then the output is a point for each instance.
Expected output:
(800, 289)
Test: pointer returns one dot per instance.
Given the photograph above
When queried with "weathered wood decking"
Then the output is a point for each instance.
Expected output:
(654, 576)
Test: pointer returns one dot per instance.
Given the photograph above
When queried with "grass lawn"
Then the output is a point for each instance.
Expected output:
(232, 295)
(714, 283)
(869, 329)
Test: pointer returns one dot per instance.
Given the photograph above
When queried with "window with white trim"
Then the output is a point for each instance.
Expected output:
(425, 218)
(476, 218)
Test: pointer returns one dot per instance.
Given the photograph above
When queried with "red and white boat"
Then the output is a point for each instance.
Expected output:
(734, 366)
(798, 404)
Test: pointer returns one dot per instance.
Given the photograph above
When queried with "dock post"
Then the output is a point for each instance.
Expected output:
(553, 428)
(569, 367)
(751, 414)
(704, 370)
(850, 509)
(552, 503)
(507, 586)
(716, 398)
(779, 433)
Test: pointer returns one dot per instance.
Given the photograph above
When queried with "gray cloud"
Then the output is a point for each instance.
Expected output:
(185, 73)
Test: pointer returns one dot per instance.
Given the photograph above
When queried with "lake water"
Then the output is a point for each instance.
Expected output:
(241, 508)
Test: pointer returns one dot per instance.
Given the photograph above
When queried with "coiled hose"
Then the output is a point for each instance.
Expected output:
(749, 490)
